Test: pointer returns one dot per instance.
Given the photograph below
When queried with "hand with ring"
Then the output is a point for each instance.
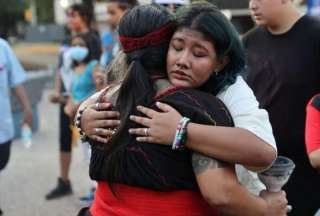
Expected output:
(97, 121)
(161, 126)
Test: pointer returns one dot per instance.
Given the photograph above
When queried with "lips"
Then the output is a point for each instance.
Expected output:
(256, 15)
(180, 75)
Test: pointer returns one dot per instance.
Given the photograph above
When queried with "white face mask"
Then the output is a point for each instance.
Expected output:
(78, 53)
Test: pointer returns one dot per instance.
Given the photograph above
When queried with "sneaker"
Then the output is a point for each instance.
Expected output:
(88, 199)
(1, 212)
(63, 188)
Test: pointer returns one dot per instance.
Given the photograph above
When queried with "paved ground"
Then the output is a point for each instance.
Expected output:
(31, 173)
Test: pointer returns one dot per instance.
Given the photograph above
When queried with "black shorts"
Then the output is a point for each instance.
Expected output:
(4, 154)
(65, 132)
(84, 212)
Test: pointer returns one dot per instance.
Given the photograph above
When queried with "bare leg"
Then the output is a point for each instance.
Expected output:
(65, 162)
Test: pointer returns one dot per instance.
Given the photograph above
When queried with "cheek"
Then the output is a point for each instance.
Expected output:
(170, 60)
(203, 71)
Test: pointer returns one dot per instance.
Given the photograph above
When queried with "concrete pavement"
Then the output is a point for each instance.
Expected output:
(31, 173)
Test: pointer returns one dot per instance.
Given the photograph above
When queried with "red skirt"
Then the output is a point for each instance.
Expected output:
(135, 201)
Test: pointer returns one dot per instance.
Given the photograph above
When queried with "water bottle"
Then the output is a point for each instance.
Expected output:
(26, 135)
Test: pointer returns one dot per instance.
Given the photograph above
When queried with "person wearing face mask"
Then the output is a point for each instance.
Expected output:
(82, 85)
(82, 67)
(79, 19)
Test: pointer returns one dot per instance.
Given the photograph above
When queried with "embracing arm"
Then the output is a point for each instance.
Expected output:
(234, 145)
(219, 186)
(230, 144)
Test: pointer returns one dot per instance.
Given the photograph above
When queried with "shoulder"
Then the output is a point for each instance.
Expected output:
(310, 25)
(252, 34)
(4, 45)
(311, 21)
(189, 96)
(239, 90)
(315, 102)
(200, 107)
(93, 62)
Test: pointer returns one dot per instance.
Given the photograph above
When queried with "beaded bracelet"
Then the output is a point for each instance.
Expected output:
(77, 123)
(181, 134)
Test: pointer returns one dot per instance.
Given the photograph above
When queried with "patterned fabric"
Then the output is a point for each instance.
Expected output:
(155, 166)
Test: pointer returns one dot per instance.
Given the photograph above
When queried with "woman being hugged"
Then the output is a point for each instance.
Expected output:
(136, 171)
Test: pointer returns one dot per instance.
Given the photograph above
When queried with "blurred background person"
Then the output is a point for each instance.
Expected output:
(79, 22)
(313, 132)
(283, 71)
(12, 76)
(172, 5)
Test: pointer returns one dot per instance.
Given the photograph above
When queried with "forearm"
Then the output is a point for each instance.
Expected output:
(239, 201)
(220, 188)
(233, 145)
(22, 97)
(57, 83)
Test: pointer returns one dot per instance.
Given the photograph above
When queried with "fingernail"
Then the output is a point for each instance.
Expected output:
(118, 122)
(139, 107)
(130, 131)
(138, 139)
(158, 103)
(131, 117)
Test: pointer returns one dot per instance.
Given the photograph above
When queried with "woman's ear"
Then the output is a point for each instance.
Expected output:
(222, 63)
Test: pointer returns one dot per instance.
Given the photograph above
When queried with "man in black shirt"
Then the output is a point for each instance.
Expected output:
(283, 56)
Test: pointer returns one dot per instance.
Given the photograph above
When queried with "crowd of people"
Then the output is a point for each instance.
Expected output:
(177, 113)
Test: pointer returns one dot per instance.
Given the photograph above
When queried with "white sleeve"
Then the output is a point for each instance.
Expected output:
(244, 109)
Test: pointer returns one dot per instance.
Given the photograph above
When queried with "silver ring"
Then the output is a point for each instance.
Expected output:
(146, 131)
(97, 106)
(97, 130)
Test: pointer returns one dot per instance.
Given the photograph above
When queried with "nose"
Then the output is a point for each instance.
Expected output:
(183, 60)
(252, 5)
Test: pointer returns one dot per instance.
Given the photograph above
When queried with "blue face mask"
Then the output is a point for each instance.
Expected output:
(78, 53)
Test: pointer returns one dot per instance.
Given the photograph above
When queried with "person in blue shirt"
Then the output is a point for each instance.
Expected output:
(12, 76)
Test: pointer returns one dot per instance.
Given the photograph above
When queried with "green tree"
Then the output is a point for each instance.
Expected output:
(44, 10)
(10, 13)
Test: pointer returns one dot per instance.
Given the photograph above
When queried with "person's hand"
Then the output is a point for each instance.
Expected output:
(56, 98)
(69, 110)
(97, 120)
(99, 79)
(27, 118)
(160, 126)
(276, 203)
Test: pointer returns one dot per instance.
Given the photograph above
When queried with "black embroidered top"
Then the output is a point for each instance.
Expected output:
(158, 167)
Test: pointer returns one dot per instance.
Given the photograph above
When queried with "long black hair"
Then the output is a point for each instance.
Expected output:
(207, 19)
(137, 87)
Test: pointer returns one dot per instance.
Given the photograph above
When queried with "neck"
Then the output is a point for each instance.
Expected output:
(285, 21)
(81, 30)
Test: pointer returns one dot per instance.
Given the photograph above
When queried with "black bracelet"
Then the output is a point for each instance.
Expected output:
(77, 123)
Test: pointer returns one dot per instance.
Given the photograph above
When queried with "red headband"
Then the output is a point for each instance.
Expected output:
(155, 38)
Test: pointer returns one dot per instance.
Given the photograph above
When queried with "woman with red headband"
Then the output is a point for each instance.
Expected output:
(154, 179)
